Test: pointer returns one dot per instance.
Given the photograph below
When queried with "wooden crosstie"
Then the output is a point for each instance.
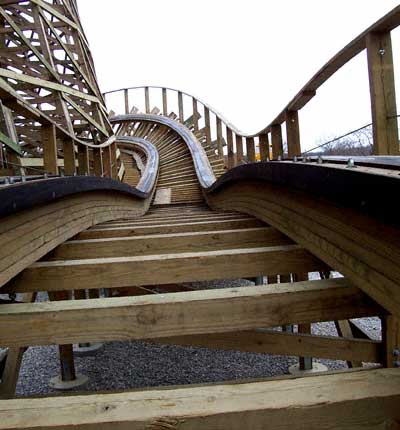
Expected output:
(117, 214)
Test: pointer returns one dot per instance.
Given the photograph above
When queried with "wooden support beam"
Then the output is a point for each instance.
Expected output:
(265, 341)
(97, 162)
(147, 99)
(264, 147)
(11, 372)
(391, 340)
(126, 101)
(49, 143)
(293, 133)
(173, 227)
(107, 162)
(276, 141)
(194, 312)
(83, 160)
(315, 402)
(180, 107)
(13, 363)
(163, 268)
(251, 150)
(195, 115)
(169, 243)
(239, 149)
(164, 102)
(229, 143)
(207, 125)
(383, 93)
(114, 165)
(219, 137)
(69, 157)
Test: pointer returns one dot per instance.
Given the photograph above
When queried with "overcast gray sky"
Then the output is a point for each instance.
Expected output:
(245, 58)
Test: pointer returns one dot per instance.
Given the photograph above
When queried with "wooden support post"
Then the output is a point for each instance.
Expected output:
(219, 137)
(305, 363)
(66, 354)
(49, 142)
(344, 330)
(114, 165)
(195, 115)
(164, 102)
(83, 160)
(293, 133)
(97, 162)
(383, 94)
(276, 140)
(107, 161)
(229, 142)
(69, 157)
(126, 100)
(180, 107)
(251, 150)
(208, 125)
(239, 149)
(13, 364)
(391, 340)
(264, 147)
(147, 99)
(11, 372)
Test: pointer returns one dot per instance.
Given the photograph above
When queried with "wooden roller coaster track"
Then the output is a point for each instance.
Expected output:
(116, 215)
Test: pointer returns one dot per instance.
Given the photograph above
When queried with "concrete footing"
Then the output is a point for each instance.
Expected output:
(316, 368)
(58, 384)
(86, 348)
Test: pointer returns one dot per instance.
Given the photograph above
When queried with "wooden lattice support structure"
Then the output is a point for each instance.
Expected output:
(191, 203)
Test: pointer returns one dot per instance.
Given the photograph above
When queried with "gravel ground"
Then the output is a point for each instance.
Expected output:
(129, 365)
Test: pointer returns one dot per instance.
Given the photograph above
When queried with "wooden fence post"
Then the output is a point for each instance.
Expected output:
(239, 149)
(83, 160)
(229, 143)
(69, 157)
(107, 161)
(276, 141)
(250, 149)
(383, 94)
(195, 115)
(180, 107)
(49, 142)
(264, 147)
(126, 100)
(97, 162)
(293, 133)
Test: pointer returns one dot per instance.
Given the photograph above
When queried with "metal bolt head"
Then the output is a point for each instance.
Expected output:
(381, 51)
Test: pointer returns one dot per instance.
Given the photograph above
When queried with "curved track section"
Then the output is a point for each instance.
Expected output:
(205, 174)
(39, 215)
(346, 217)
(186, 166)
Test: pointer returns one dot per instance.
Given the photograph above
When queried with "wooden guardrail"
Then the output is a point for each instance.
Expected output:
(241, 146)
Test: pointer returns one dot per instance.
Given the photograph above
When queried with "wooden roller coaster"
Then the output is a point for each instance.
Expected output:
(115, 215)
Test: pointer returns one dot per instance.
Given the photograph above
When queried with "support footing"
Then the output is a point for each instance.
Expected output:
(86, 348)
(317, 367)
(58, 384)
